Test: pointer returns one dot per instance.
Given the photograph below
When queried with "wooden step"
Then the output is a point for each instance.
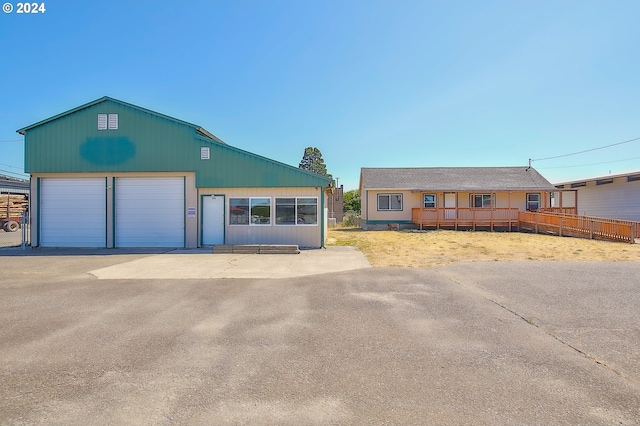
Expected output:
(255, 249)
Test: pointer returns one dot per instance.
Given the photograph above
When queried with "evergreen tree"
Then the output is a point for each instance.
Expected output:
(313, 162)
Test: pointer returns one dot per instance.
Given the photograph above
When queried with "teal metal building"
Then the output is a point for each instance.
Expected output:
(112, 174)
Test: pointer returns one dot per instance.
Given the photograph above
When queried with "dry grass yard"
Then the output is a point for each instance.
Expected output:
(431, 248)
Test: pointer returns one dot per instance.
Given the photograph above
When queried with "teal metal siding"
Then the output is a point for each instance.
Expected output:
(73, 143)
(234, 168)
(148, 142)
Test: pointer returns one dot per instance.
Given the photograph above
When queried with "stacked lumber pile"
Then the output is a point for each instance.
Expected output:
(12, 206)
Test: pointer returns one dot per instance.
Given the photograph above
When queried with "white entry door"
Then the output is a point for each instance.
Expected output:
(213, 219)
(450, 205)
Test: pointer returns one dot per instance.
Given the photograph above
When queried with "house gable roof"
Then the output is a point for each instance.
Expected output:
(420, 179)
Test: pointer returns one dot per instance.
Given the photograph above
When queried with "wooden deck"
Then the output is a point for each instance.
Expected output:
(460, 217)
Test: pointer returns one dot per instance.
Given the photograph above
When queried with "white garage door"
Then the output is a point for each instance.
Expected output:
(73, 212)
(149, 212)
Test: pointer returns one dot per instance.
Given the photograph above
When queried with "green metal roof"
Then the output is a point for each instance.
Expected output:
(146, 141)
(199, 129)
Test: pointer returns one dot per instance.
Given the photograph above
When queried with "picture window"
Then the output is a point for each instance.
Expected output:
(250, 211)
(390, 202)
(296, 211)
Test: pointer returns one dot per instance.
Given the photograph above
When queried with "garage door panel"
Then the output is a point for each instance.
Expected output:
(73, 212)
(150, 212)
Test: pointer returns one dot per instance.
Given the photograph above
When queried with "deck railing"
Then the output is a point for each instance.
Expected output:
(580, 226)
(539, 222)
(560, 210)
(465, 217)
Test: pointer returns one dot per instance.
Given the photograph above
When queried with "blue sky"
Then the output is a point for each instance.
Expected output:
(370, 83)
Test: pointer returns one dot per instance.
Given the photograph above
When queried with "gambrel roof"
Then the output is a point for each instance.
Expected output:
(421, 179)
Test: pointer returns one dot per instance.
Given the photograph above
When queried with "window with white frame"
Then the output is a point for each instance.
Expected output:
(238, 211)
(389, 201)
(481, 200)
(296, 211)
(533, 202)
(429, 201)
(250, 211)
(260, 211)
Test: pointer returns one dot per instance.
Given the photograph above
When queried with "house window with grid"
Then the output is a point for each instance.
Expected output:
(389, 201)
(481, 200)
(429, 201)
(533, 202)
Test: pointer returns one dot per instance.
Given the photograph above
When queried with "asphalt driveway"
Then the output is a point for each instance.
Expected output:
(479, 343)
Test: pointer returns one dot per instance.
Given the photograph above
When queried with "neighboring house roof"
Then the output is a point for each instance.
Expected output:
(634, 175)
(454, 179)
(13, 186)
(201, 130)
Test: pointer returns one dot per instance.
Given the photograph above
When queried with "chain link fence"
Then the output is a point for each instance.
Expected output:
(20, 238)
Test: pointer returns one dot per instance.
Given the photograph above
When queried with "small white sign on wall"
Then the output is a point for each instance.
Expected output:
(191, 212)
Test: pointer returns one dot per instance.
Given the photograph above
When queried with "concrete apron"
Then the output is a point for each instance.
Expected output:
(202, 264)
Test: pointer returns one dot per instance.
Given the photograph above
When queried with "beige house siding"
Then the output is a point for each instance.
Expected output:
(378, 219)
(409, 201)
(302, 235)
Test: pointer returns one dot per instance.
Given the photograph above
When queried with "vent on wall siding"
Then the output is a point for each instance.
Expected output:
(113, 121)
(102, 121)
(205, 153)
(107, 121)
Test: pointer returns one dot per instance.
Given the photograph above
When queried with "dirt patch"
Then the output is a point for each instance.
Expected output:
(430, 248)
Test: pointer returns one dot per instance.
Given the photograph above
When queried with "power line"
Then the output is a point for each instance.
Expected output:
(12, 140)
(20, 175)
(11, 167)
(586, 150)
(592, 164)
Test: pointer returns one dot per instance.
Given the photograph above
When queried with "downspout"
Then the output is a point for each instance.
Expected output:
(322, 196)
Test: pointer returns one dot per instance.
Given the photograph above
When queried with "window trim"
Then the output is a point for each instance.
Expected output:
(539, 201)
(390, 209)
(295, 211)
(249, 216)
(472, 201)
(435, 201)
